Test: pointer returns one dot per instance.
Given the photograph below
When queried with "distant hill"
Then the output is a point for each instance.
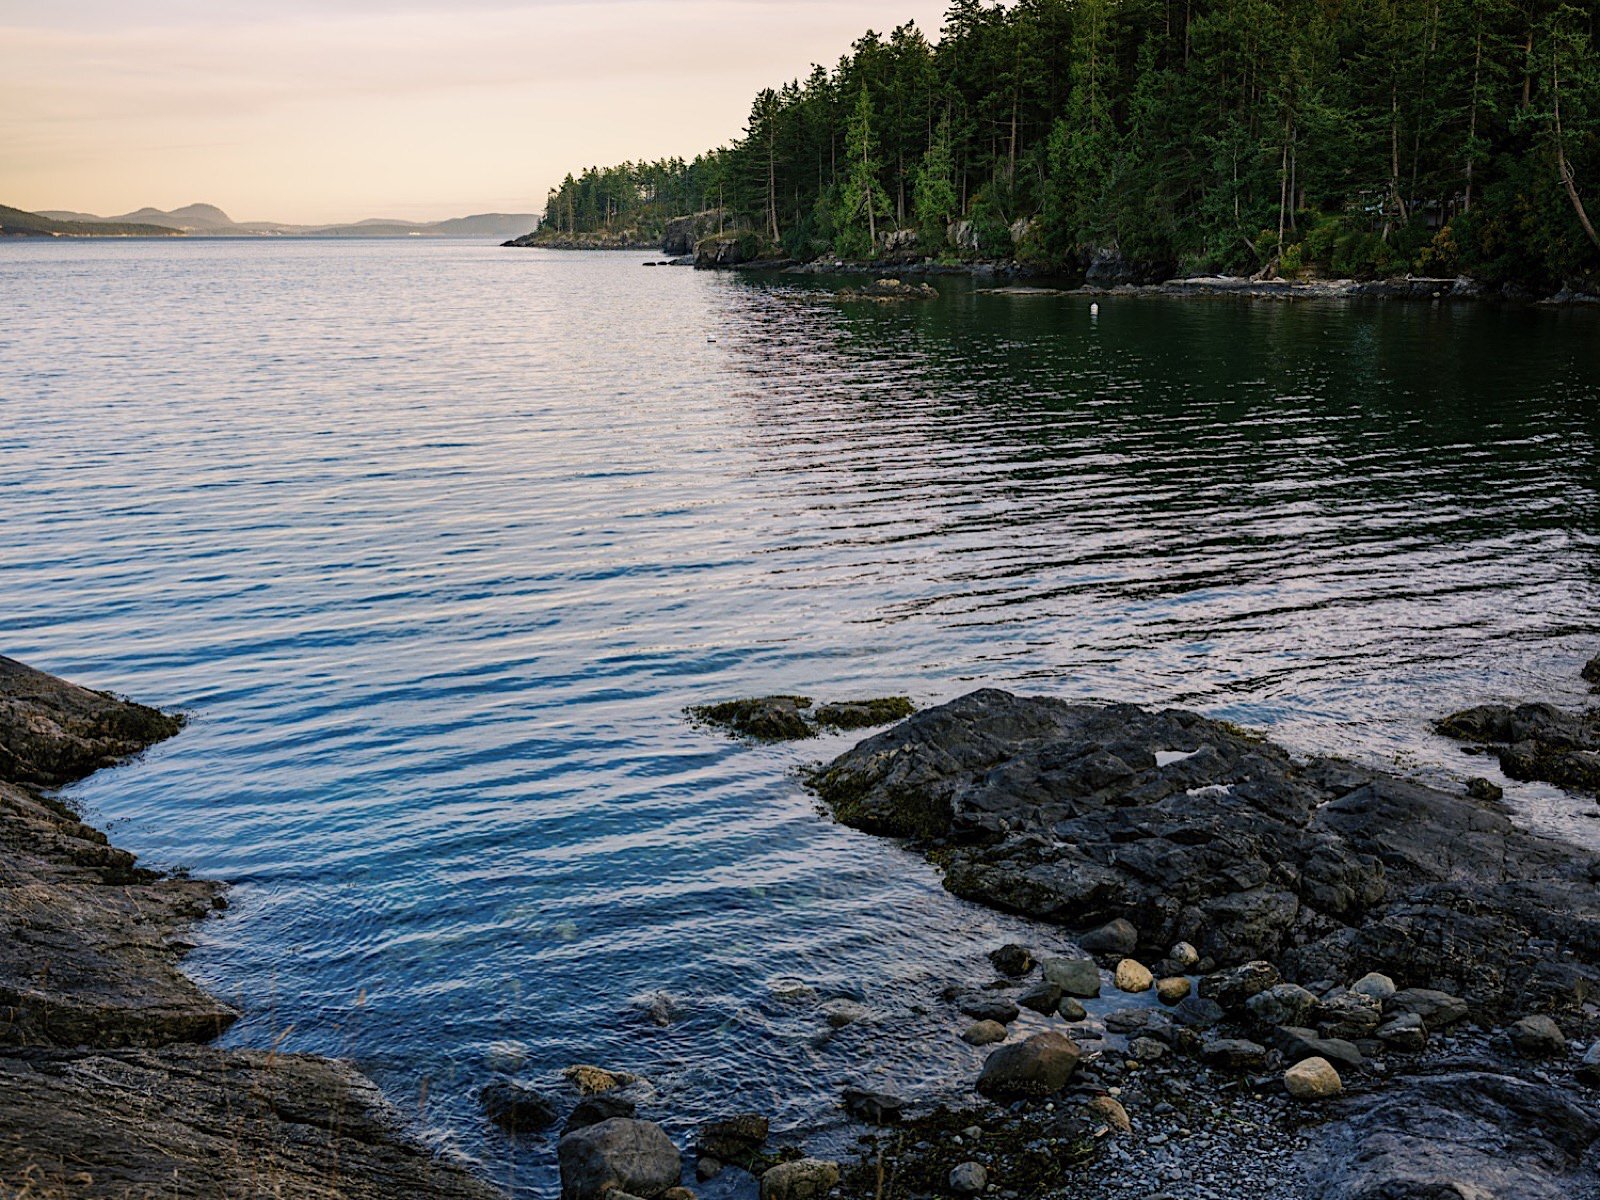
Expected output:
(16, 223)
(207, 220)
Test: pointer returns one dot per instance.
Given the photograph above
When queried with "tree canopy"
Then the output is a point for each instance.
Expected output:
(1347, 136)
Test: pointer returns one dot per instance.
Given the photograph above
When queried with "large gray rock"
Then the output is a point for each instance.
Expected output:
(1037, 1066)
(803, 1179)
(1438, 1010)
(1538, 1037)
(1074, 976)
(621, 1154)
(1468, 1135)
(1282, 1004)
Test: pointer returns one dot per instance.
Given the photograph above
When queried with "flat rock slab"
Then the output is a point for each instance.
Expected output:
(193, 1121)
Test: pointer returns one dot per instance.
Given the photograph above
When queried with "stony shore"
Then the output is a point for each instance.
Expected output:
(107, 1088)
(1293, 980)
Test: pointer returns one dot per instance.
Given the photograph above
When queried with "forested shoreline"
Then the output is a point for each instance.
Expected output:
(1297, 138)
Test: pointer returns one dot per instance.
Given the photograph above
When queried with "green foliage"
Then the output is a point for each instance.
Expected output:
(1323, 136)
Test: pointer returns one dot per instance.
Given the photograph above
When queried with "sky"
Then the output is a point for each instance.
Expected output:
(332, 110)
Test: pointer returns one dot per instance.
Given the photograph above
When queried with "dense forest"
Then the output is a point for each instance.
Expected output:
(1360, 137)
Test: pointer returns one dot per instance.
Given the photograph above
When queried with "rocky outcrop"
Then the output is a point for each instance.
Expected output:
(100, 1093)
(1535, 741)
(732, 248)
(599, 239)
(1107, 266)
(1193, 830)
(683, 233)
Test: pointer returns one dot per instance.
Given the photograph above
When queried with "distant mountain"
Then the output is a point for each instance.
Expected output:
(207, 220)
(16, 223)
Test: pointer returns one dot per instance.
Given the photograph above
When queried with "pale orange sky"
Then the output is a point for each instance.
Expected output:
(303, 111)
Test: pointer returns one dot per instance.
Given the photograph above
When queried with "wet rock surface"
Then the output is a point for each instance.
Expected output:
(100, 1096)
(1367, 950)
(791, 718)
(1535, 741)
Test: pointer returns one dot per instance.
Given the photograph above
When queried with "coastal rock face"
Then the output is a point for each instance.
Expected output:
(194, 1121)
(682, 233)
(1464, 1135)
(1106, 266)
(1194, 830)
(727, 249)
(53, 732)
(1535, 741)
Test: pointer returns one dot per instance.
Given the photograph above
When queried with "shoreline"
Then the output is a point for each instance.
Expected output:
(1287, 913)
(109, 1086)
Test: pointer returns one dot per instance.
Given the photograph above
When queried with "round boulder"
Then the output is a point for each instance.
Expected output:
(968, 1178)
(515, 1108)
(1114, 937)
(1012, 959)
(803, 1179)
(1172, 989)
(1037, 1066)
(1379, 987)
(985, 1006)
(620, 1154)
(1109, 1111)
(1282, 1004)
(1133, 976)
(984, 1033)
(1538, 1037)
(1312, 1079)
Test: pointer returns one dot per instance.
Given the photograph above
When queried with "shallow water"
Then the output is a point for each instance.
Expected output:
(437, 541)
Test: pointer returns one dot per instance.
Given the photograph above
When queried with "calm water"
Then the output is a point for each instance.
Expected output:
(437, 541)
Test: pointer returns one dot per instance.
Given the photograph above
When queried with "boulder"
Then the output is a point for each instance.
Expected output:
(1404, 1032)
(968, 1178)
(874, 1108)
(1183, 956)
(594, 1109)
(591, 1080)
(1038, 1066)
(621, 1154)
(729, 249)
(1379, 987)
(1282, 1004)
(1231, 988)
(985, 1006)
(1535, 741)
(1233, 1054)
(802, 1179)
(984, 1033)
(1347, 1014)
(1196, 1012)
(1041, 997)
(737, 1139)
(764, 718)
(1438, 1010)
(1312, 1079)
(1538, 1037)
(1132, 976)
(515, 1107)
(1114, 937)
(842, 1011)
(1074, 976)
(1298, 1044)
(1109, 1110)
(1172, 989)
(1071, 1010)
(1012, 959)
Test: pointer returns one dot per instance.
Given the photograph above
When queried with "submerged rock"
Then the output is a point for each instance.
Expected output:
(1012, 959)
(891, 290)
(594, 1109)
(590, 1080)
(766, 718)
(737, 1139)
(515, 1107)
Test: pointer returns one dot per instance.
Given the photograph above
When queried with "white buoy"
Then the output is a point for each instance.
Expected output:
(1094, 310)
